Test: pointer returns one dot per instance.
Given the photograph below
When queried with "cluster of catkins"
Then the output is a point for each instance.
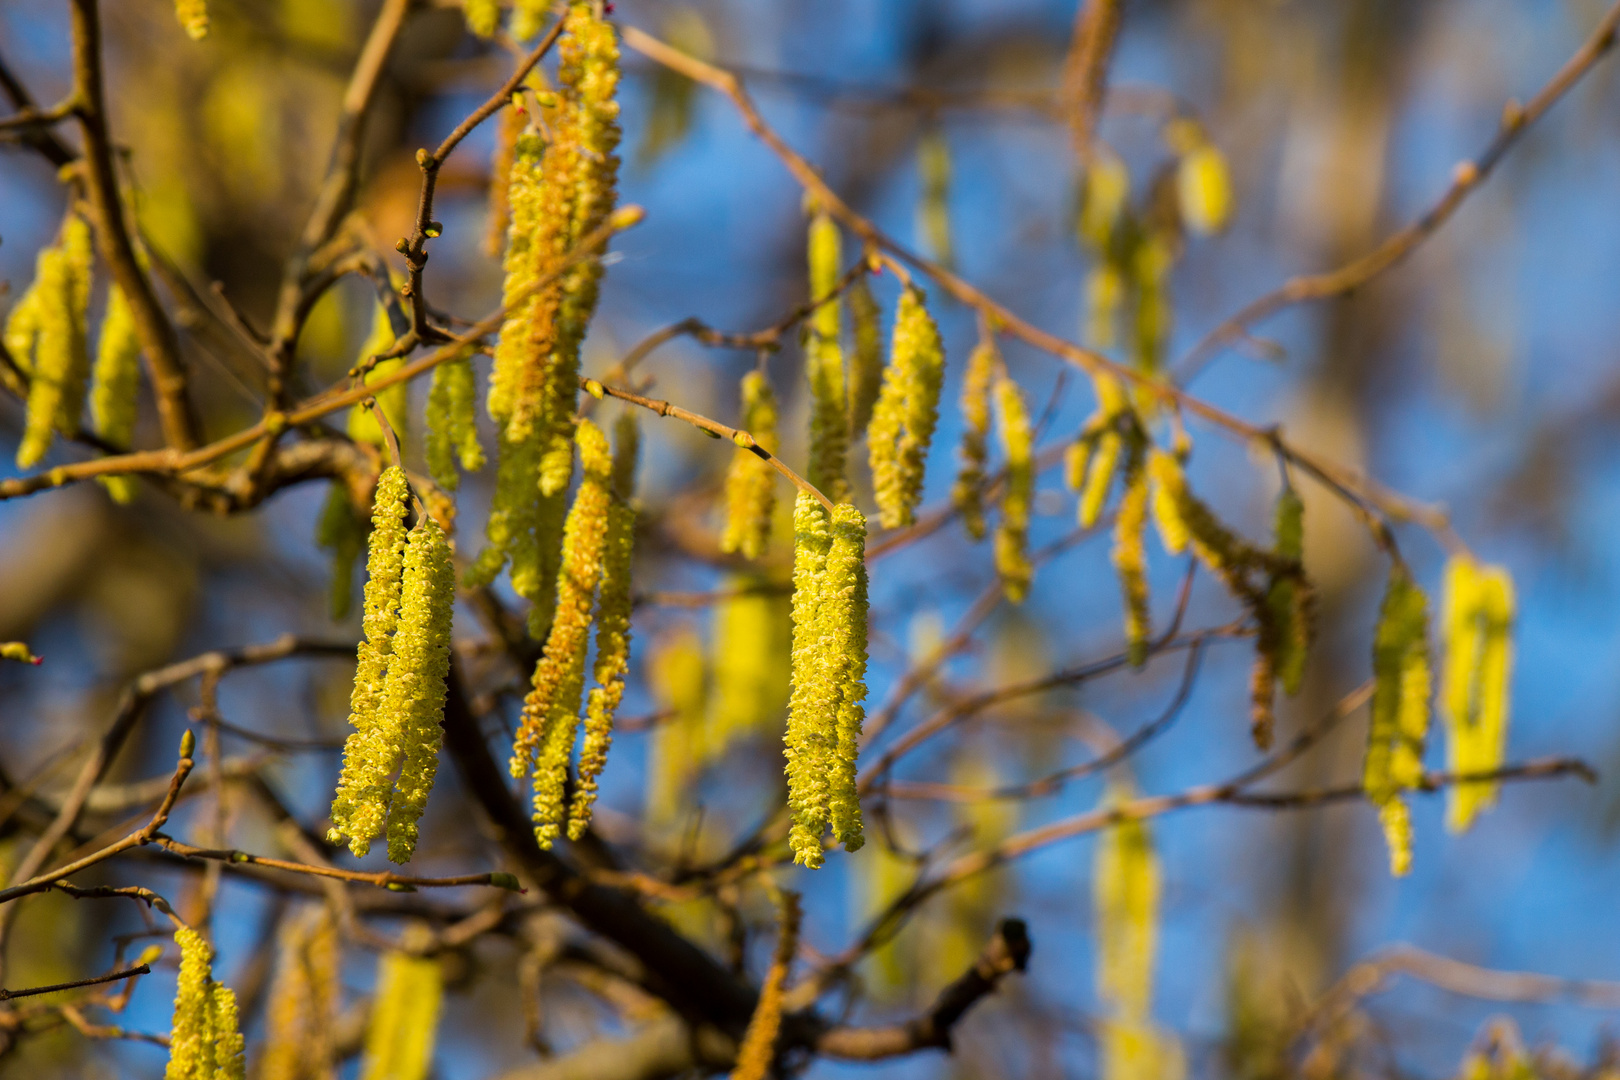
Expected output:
(527, 20)
(592, 586)
(987, 389)
(391, 757)
(47, 338)
(205, 1043)
(558, 192)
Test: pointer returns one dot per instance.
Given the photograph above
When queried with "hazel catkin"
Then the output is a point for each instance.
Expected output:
(907, 408)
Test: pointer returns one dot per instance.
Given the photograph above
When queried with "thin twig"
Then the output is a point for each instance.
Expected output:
(12, 995)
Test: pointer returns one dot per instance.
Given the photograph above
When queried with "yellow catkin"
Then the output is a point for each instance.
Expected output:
(60, 367)
(393, 400)
(545, 738)
(303, 1001)
(341, 531)
(371, 752)
(751, 481)
(193, 16)
(750, 663)
(483, 16)
(866, 361)
(1477, 628)
(968, 493)
(404, 1018)
(1095, 455)
(1125, 884)
(612, 662)
(511, 124)
(907, 408)
(844, 605)
(824, 364)
(1012, 534)
(559, 194)
(205, 1042)
(1129, 556)
(1400, 710)
(1104, 191)
(115, 382)
(758, 1047)
(682, 740)
(528, 18)
(22, 328)
(452, 423)
(1204, 188)
(811, 735)
(933, 200)
(1104, 296)
(1150, 273)
(413, 693)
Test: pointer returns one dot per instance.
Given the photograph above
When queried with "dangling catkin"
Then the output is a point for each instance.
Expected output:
(751, 657)
(1400, 710)
(303, 1001)
(751, 482)
(413, 694)
(341, 531)
(1012, 535)
(452, 423)
(116, 379)
(193, 16)
(829, 664)
(204, 1043)
(824, 364)
(866, 363)
(1289, 596)
(612, 627)
(758, 1047)
(546, 734)
(483, 16)
(968, 493)
(404, 1018)
(1129, 555)
(933, 201)
(371, 751)
(907, 408)
(1126, 896)
(1095, 454)
(60, 367)
(1478, 636)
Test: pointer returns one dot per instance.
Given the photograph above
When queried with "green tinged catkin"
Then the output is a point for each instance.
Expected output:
(907, 408)
(204, 1043)
(1477, 629)
(341, 531)
(751, 481)
(968, 493)
(866, 362)
(404, 1018)
(824, 364)
(452, 423)
(60, 363)
(1129, 556)
(1400, 710)
(1093, 458)
(828, 685)
(193, 16)
(413, 694)
(370, 752)
(758, 1047)
(115, 382)
(1012, 534)
(546, 734)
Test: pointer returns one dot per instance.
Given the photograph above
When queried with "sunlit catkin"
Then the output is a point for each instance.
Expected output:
(371, 752)
(483, 16)
(1012, 534)
(1400, 709)
(824, 363)
(559, 193)
(758, 1047)
(193, 16)
(750, 662)
(829, 664)
(751, 481)
(303, 1000)
(1477, 628)
(115, 381)
(968, 493)
(1203, 183)
(1125, 888)
(1095, 455)
(60, 367)
(866, 362)
(1129, 556)
(546, 734)
(404, 1018)
(907, 408)
(413, 693)
(205, 1042)
(452, 423)
(612, 662)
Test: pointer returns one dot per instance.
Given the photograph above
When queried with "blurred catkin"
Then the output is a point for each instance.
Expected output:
(758, 1047)
(1012, 534)
(1129, 555)
(1400, 710)
(193, 16)
(404, 1018)
(1477, 628)
(968, 493)
(751, 481)
(60, 365)
(115, 383)
(452, 423)
(824, 363)
(866, 362)
(907, 408)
